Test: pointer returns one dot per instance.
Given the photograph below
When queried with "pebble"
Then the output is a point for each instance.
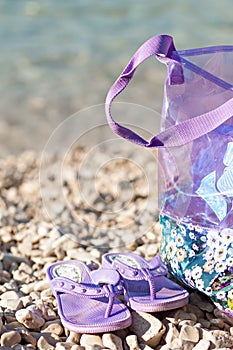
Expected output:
(148, 328)
(181, 315)
(90, 339)
(13, 325)
(172, 334)
(189, 333)
(132, 342)
(41, 285)
(73, 337)
(10, 338)
(29, 319)
(204, 323)
(222, 339)
(202, 345)
(11, 300)
(54, 327)
(198, 301)
(144, 347)
(63, 346)
(217, 322)
(49, 337)
(224, 317)
(43, 344)
(1, 324)
(112, 341)
(27, 337)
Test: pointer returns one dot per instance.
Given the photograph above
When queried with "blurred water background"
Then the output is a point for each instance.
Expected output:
(58, 57)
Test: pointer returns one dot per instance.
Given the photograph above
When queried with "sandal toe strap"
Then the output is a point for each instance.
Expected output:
(65, 285)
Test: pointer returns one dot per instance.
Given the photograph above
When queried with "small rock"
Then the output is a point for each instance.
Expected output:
(194, 309)
(172, 320)
(21, 347)
(145, 347)
(27, 288)
(205, 323)
(9, 316)
(77, 347)
(132, 342)
(1, 324)
(122, 333)
(52, 327)
(148, 328)
(200, 302)
(49, 337)
(189, 333)
(181, 315)
(180, 344)
(12, 304)
(63, 346)
(171, 334)
(11, 300)
(202, 345)
(73, 337)
(188, 323)
(41, 285)
(222, 339)
(43, 344)
(27, 337)
(217, 322)
(49, 314)
(226, 318)
(46, 294)
(165, 347)
(29, 319)
(13, 326)
(26, 300)
(112, 341)
(9, 295)
(10, 338)
(90, 339)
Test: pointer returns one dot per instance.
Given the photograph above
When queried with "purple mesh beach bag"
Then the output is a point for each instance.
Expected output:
(195, 150)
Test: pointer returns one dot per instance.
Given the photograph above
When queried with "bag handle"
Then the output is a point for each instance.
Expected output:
(163, 48)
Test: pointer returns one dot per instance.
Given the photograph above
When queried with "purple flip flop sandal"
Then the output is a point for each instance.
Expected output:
(145, 286)
(87, 301)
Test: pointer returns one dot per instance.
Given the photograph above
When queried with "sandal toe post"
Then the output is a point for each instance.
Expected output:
(146, 286)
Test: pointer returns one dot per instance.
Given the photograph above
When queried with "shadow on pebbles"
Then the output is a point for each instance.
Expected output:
(81, 210)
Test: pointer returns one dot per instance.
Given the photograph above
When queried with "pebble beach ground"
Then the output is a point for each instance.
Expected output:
(30, 241)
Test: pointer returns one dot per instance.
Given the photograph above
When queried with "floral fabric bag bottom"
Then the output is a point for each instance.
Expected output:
(200, 258)
(195, 171)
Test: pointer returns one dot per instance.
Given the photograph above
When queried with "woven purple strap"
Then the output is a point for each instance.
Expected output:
(163, 48)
